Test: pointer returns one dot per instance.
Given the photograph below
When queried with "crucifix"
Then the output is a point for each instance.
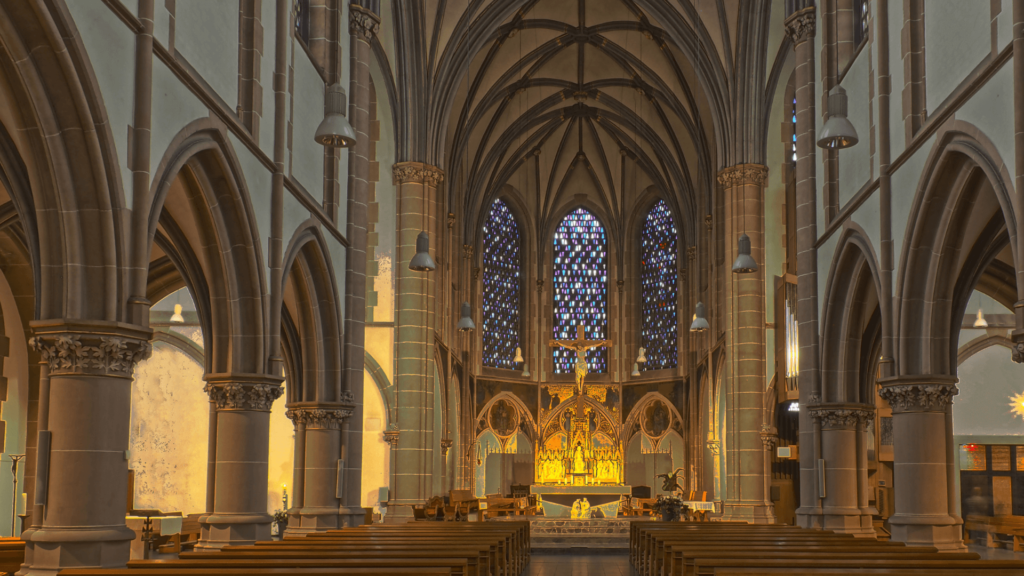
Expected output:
(580, 345)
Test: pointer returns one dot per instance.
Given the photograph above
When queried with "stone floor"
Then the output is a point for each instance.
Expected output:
(569, 565)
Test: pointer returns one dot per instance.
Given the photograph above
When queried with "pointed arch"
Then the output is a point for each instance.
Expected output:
(580, 287)
(503, 296)
(659, 288)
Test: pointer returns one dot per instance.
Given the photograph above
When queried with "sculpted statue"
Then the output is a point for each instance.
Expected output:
(671, 482)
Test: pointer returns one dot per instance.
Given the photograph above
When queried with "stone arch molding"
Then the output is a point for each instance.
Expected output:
(384, 386)
(932, 287)
(853, 292)
(634, 424)
(73, 202)
(228, 252)
(604, 416)
(525, 419)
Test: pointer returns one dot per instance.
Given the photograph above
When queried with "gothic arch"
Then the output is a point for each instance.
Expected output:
(310, 294)
(384, 386)
(633, 420)
(526, 422)
(73, 200)
(961, 221)
(200, 172)
(851, 321)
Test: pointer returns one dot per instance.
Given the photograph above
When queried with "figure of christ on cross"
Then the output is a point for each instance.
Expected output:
(580, 345)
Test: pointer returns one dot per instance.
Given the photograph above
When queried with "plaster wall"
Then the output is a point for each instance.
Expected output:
(855, 162)
(177, 107)
(15, 406)
(376, 452)
(826, 254)
(898, 141)
(867, 217)
(384, 253)
(282, 454)
(169, 430)
(904, 188)
(958, 35)
(268, 17)
(307, 157)
(111, 49)
(259, 182)
(988, 380)
(206, 35)
(991, 110)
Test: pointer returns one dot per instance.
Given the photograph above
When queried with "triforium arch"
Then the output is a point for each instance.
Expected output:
(962, 230)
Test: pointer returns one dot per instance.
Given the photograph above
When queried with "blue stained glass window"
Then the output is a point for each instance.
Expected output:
(502, 287)
(658, 283)
(580, 288)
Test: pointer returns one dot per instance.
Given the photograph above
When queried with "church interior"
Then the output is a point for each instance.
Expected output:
(511, 287)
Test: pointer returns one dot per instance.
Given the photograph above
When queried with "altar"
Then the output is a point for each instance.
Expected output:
(558, 500)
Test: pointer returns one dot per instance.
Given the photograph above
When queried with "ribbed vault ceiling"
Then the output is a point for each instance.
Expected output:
(563, 98)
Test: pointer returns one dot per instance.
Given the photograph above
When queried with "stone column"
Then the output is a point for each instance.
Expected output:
(243, 444)
(800, 28)
(321, 447)
(922, 461)
(843, 438)
(363, 25)
(412, 477)
(90, 364)
(743, 186)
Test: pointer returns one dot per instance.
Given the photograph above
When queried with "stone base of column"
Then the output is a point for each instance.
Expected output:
(943, 533)
(398, 514)
(752, 512)
(220, 530)
(48, 550)
(809, 518)
(312, 519)
(352, 516)
(848, 521)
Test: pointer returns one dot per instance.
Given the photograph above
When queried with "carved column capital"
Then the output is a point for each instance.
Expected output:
(800, 25)
(467, 251)
(715, 446)
(1017, 336)
(238, 392)
(391, 435)
(919, 393)
(404, 172)
(319, 416)
(362, 23)
(743, 174)
(691, 252)
(769, 436)
(97, 348)
(446, 443)
(842, 416)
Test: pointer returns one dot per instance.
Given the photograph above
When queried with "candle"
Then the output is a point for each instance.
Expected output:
(24, 502)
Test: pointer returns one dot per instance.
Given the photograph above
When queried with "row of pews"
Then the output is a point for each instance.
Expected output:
(418, 548)
(734, 549)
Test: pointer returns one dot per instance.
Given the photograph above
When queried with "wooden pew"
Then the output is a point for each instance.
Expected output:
(254, 571)
(457, 567)
(12, 554)
(288, 557)
(858, 567)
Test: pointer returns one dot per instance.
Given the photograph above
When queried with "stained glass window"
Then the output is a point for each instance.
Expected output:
(502, 287)
(860, 22)
(658, 285)
(792, 145)
(580, 288)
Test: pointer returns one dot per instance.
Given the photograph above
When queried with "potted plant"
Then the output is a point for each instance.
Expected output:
(281, 519)
(670, 509)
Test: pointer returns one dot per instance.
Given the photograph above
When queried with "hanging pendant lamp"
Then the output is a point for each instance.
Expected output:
(641, 358)
(980, 321)
(636, 370)
(177, 317)
(700, 322)
(526, 370)
(837, 132)
(466, 322)
(422, 262)
(334, 130)
(744, 261)
(519, 355)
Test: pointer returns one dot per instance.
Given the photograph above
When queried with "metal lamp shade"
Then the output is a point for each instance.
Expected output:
(744, 261)
(334, 130)
(466, 322)
(700, 322)
(519, 355)
(837, 132)
(636, 370)
(526, 370)
(422, 262)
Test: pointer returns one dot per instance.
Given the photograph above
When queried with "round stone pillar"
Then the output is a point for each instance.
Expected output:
(922, 461)
(843, 438)
(243, 444)
(91, 366)
(319, 509)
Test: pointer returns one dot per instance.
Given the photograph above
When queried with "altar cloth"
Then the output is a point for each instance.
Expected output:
(558, 500)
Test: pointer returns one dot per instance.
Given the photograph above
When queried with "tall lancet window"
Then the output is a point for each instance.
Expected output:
(658, 283)
(580, 288)
(502, 287)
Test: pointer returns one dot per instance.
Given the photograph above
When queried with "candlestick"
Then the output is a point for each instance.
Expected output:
(15, 458)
